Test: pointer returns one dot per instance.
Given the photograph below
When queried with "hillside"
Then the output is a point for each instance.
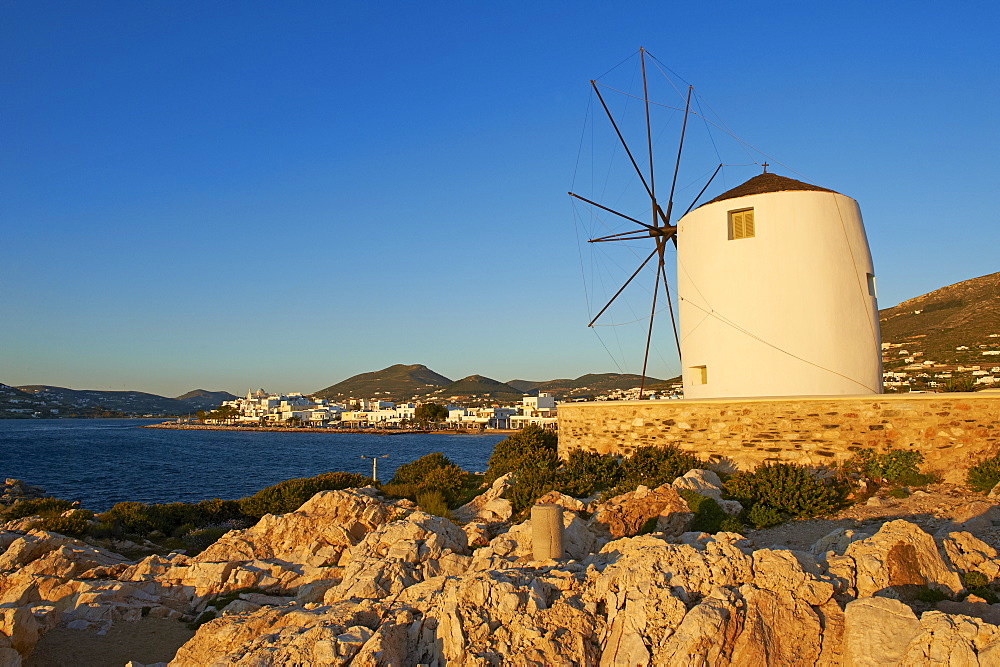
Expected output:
(15, 404)
(947, 331)
(398, 382)
(478, 386)
(201, 399)
(585, 385)
(92, 402)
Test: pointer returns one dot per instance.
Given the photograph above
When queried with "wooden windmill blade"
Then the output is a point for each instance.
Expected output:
(661, 230)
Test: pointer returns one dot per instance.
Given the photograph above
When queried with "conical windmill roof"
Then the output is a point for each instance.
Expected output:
(763, 183)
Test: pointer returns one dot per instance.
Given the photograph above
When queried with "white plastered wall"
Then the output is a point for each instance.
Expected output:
(785, 313)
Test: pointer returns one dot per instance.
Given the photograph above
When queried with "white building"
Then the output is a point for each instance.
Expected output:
(536, 410)
(259, 406)
(777, 294)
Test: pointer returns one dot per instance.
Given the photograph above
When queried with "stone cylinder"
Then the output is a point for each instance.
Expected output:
(547, 532)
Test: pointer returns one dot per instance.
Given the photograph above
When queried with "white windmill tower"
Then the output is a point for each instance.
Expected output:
(777, 294)
(776, 287)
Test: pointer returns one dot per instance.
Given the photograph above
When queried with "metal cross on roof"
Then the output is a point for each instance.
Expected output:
(765, 165)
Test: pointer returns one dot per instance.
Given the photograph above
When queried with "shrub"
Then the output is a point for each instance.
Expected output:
(200, 539)
(394, 490)
(787, 488)
(975, 580)
(897, 466)
(433, 502)
(169, 518)
(530, 449)
(586, 473)
(930, 595)
(449, 480)
(289, 495)
(960, 384)
(899, 492)
(649, 525)
(529, 485)
(654, 466)
(732, 525)
(46, 507)
(76, 524)
(762, 516)
(708, 516)
(432, 472)
(984, 475)
(415, 471)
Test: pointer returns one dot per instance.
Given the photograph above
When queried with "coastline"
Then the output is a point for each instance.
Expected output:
(307, 429)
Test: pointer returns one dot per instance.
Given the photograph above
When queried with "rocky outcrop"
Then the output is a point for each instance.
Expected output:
(280, 552)
(490, 506)
(898, 560)
(399, 555)
(644, 510)
(14, 490)
(884, 631)
(352, 578)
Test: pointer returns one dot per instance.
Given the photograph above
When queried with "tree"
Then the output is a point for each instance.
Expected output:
(430, 412)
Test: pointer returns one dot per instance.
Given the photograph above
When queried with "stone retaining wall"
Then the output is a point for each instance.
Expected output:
(953, 430)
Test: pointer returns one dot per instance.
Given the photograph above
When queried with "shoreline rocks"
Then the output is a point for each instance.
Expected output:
(351, 577)
(14, 490)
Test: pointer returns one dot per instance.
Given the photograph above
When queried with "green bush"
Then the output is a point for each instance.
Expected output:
(450, 480)
(289, 495)
(975, 580)
(433, 502)
(899, 493)
(529, 485)
(786, 488)
(655, 466)
(732, 525)
(394, 490)
(532, 455)
(585, 473)
(527, 450)
(45, 507)
(960, 384)
(984, 475)
(76, 524)
(708, 515)
(762, 516)
(649, 526)
(200, 539)
(415, 471)
(169, 518)
(432, 472)
(897, 466)
(930, 595)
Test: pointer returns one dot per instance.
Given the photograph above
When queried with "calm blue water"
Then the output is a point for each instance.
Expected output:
(104, 461)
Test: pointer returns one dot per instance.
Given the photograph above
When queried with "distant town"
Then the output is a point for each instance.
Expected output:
(260, 408)
(907, 367)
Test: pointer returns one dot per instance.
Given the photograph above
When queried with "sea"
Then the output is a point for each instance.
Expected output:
(100, 462)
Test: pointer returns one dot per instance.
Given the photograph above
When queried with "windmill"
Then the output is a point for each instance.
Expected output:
(660, 229)
(775, 281)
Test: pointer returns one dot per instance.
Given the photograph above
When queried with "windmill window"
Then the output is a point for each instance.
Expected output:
(741, 225)
(871, 284)
(700, 374)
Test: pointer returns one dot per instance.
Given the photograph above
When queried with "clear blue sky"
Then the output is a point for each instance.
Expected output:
(219, 195)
